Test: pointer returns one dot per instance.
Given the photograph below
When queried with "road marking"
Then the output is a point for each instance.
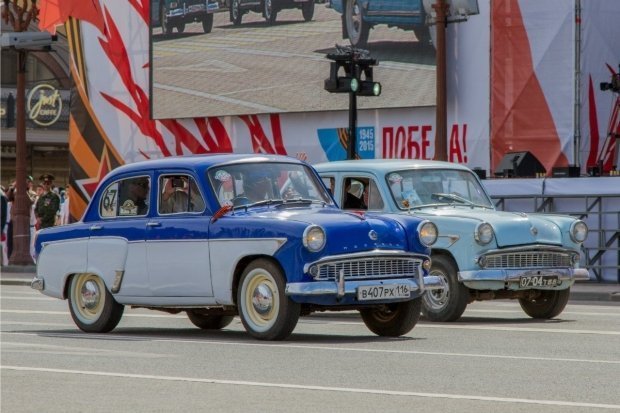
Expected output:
(30, 348)
(120, 337)
(316, 388)
(67, 313)
(421, 325)
(226, 99)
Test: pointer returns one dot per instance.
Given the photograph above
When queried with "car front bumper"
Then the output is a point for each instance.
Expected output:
(344, 288)
(510, 278)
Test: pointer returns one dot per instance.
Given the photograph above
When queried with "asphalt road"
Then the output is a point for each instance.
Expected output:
(494, 359)
(261, 68)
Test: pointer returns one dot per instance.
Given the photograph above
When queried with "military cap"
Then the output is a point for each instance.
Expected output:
(46, 178)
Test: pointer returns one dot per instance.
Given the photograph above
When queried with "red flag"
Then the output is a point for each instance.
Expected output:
(55, 12)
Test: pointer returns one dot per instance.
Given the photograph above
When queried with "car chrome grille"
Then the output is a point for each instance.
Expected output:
(368, 268)
(528, 259)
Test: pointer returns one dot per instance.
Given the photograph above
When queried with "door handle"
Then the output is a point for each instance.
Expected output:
(95, 227)
(153, 224)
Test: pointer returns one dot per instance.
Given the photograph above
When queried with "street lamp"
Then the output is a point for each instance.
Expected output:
(351, 71)
(20, 15)
(440, 13)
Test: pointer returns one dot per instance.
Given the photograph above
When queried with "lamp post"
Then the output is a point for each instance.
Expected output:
(19, 15)
(441, 110)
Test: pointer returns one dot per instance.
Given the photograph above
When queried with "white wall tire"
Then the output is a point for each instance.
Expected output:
(265, 311)
(92, 307)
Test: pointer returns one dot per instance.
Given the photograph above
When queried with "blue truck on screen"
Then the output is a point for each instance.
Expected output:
(359, 16)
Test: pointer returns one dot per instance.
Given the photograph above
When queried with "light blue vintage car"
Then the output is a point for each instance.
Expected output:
(221, 235)
(481, 253)
(359, 16)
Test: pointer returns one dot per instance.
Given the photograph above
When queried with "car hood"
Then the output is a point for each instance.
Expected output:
(346, 232)
(511, 228)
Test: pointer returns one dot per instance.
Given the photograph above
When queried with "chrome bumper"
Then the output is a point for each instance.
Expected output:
(37, 284)
(512, 275)
(318, 288)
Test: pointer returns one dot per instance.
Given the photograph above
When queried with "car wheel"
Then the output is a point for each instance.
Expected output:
(307, 10)
(448, 303)
(356, 28)
(548, 304)
(209, 322)
(165, 27)
(392, 320)
(265, 311)
(423, 35)
(181, 27)
(207, 23)
(92, 307)
(235, 13)
(268, 12)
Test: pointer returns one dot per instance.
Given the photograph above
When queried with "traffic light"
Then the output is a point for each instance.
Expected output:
(368, 87)
(351, 72)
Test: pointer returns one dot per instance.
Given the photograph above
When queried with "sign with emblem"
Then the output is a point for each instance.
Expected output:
(44, 104)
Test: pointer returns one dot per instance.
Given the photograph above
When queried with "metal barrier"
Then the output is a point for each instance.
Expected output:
(601, 251)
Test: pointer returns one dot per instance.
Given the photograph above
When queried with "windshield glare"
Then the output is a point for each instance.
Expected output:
(417, 188)
(248, 183)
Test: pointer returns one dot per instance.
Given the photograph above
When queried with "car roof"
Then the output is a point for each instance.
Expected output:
(385, 165)
(201, 161)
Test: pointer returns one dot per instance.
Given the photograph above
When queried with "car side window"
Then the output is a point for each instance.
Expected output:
(134, 196)
(373, 199)
(126, 197)
(179, 194)
(108, 206)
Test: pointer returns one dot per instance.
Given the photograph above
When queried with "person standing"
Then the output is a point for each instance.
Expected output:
(65, 216)
(47, 205)
(4, 209)
(10, 194)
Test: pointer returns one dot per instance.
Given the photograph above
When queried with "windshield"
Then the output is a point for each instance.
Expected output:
(255, 183)
(417, 188)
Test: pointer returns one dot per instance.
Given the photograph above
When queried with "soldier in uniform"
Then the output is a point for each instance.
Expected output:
(48, 204)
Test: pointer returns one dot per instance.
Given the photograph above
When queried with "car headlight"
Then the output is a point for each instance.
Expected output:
(314, 238)
(578, 231)
(427, 232)
(484, 233)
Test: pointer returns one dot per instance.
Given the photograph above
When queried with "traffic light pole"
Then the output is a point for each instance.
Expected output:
(357, 79)
(352, 142)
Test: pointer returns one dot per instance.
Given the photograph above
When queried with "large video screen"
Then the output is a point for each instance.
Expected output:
(238, 57)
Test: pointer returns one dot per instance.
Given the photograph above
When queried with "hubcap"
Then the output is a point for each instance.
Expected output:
(438, 299)
(262, 299)
(90, 295)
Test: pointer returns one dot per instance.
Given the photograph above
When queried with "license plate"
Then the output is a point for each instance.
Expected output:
(539, 281)
(383, 292)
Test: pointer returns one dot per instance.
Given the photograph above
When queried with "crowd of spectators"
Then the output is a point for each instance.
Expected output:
(48, 206)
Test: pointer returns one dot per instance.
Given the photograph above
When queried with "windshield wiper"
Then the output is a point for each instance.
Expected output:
(263, 202)
(452, 197)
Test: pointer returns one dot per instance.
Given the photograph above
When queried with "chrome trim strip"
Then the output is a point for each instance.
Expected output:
(394, 13)
(365, 254)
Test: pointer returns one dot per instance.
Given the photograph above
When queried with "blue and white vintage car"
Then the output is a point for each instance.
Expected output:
(359, 16)
(221, 235)
(481, 253)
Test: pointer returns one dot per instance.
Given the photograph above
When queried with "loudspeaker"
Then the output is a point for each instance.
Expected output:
(566, 172)
(519, 164)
